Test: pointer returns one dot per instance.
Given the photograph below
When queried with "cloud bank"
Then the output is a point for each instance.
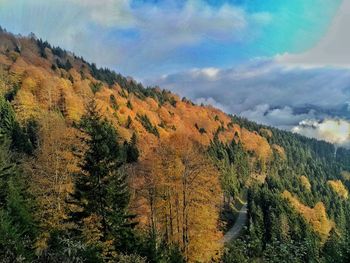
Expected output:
(270, 93)
(336, 131)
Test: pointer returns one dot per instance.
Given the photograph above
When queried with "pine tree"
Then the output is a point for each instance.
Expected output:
(132, 153)
(101, 189)
(12, 130)
(17, 228)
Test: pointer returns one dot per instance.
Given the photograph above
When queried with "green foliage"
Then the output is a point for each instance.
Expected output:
(42, 45)
(146, 123)
(11, 129)
(17, 227)
(96, 86)
(63, 248)
(68, 65)
(236, 252)
(32, 132)
(233, 164)
(202, 130)
(113, 102)
(275, 231)
(129, 105)
(11, 94)
(7, 117)
(128, 122)
(101, 188)
(159, 252)
(132, 153)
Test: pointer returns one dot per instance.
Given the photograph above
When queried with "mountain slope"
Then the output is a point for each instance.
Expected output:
(196, 163)
(46, 78)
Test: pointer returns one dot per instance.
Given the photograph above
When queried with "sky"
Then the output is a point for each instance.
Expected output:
(284, 63)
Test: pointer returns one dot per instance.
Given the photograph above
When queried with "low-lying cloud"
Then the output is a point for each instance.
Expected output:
(335, 131)
(270, 93)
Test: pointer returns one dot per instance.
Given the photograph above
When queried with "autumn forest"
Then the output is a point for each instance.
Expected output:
(95, 167)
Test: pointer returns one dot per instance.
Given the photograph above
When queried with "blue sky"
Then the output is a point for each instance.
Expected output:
(146, 38)
(280, 62)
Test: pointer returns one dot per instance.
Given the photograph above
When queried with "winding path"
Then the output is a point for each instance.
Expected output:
(237, 227)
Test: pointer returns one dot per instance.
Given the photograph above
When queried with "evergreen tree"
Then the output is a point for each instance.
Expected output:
(17, 228)
(132, 153)
(12, 130)
(101, 189)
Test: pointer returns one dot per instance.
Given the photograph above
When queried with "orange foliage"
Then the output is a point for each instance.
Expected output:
(316, 217)
(44, 89)
(253, 142)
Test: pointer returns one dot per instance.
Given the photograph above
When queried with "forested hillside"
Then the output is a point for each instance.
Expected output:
(95, 167)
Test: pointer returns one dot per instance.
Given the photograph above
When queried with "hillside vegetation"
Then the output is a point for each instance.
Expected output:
(95, 167)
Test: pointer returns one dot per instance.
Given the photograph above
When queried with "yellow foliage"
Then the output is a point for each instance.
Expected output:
(316, 217)
(178, 194)
(266, 132)
(41, 243)
(19, 66)
(345, 175)
(51, 171)
(4, 60)
(280, 151)
(44, 89)
(339, 188)
(92, 229)
(26, 106)
(305, 182)
(56, 102)
(29, 84)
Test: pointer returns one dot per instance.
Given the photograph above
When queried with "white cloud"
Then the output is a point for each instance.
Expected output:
(110, 13)
(267, 92)
(132, 36)
(335, 131)
(282, 117)
(208, 73)
(210, 102)
(332, 50)
(263, 82)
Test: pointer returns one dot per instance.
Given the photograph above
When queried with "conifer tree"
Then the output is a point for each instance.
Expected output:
(101, 189)
(17, 228)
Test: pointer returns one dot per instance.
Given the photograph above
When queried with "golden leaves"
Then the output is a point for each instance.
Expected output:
(338, 187)
(305, 182)
(316, 217)
(179, 191)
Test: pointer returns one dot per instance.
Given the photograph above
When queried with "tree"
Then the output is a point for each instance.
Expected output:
(51, 170)
(17, 227)
(101, 188)
(132, 153)
(11, 128)
(181, 189)
(68, 65)
(333, 247)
